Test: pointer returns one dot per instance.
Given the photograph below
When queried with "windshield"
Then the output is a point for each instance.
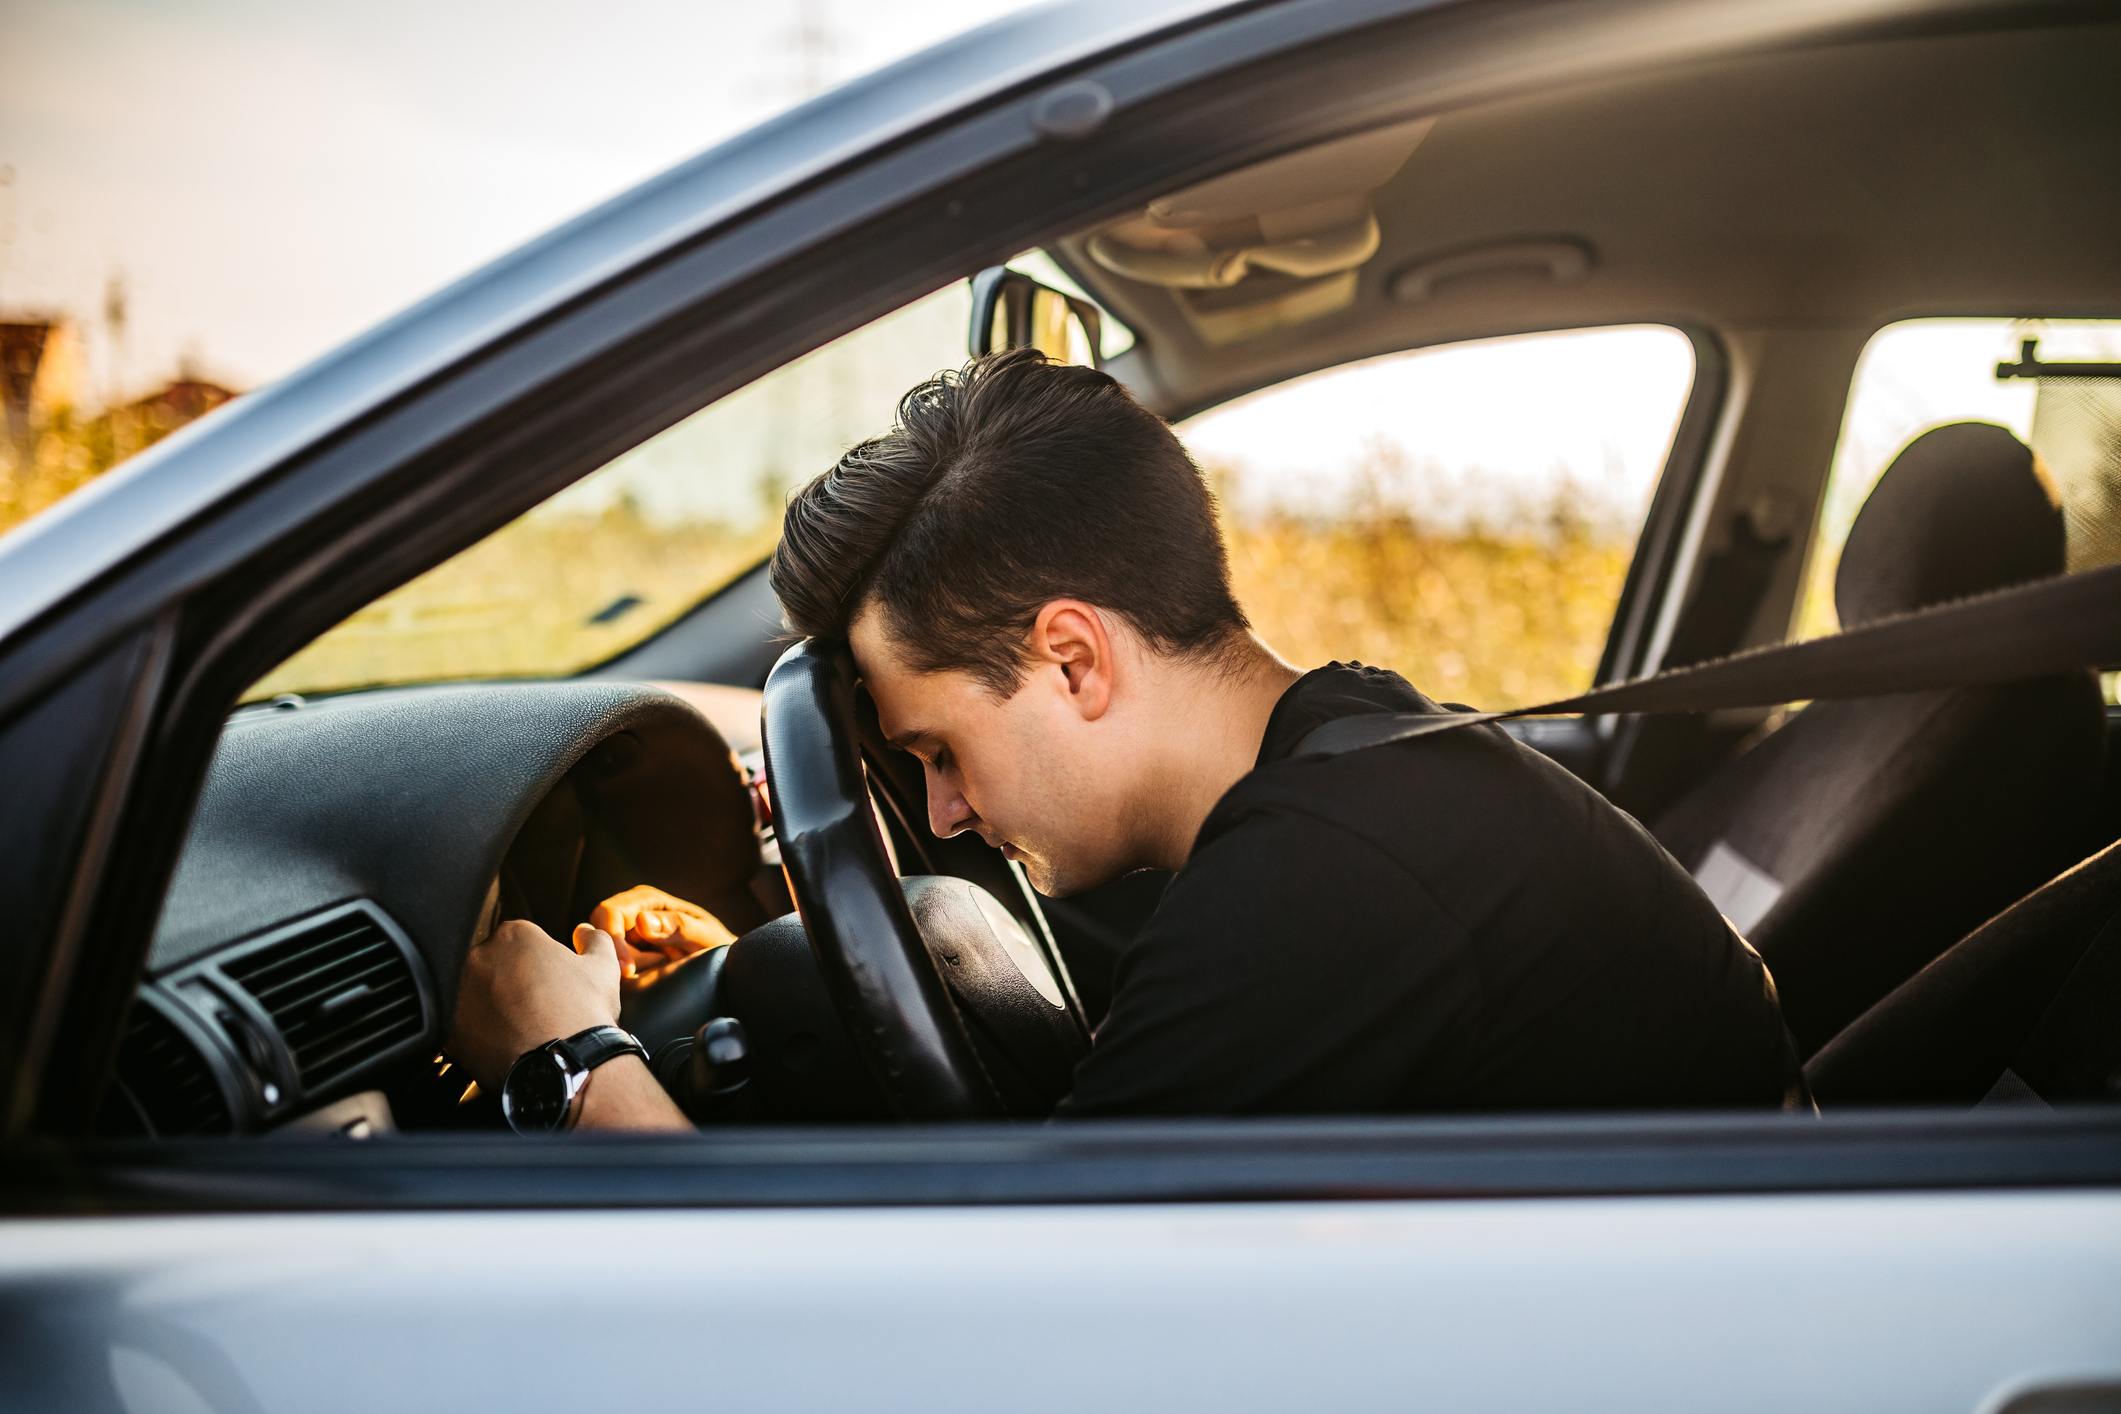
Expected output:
(617, 556)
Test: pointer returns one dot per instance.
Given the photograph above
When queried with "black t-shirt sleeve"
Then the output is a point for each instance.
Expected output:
(1278, 977)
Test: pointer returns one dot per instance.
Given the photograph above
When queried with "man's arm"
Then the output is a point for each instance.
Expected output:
(522, 988)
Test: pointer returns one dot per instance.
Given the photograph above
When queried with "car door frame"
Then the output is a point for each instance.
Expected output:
(324, 494)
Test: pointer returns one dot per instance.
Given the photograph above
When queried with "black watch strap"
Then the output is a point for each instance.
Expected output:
(598, 1044)
(543, 1091)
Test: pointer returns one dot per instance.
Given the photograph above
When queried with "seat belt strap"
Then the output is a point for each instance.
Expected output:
(2063, 624)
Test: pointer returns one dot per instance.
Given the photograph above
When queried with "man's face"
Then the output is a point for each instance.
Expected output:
(1023, 772)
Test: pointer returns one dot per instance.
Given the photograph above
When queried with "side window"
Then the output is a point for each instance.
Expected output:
(1464, 515)
(618, 555)
(1926, 373)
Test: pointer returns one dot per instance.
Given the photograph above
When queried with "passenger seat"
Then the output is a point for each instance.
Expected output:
(2023, 1009)
(1864, 837)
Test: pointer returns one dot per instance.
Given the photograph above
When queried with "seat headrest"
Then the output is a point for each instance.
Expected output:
(1960, 511)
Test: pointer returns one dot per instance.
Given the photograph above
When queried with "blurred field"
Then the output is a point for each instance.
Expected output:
(545, 595)
(1494, 619)
(65, 452)
(1493, 614)
(1497, 610)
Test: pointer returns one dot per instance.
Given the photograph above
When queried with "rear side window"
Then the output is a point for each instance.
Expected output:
(1926, 373)
(1464, 514)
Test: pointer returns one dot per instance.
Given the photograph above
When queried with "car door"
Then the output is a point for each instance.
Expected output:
(1856, 1260)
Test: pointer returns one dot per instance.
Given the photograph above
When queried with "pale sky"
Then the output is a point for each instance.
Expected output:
(274, 176)
(1480, 422)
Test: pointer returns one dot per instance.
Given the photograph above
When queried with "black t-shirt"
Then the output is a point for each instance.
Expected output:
(1448, 923)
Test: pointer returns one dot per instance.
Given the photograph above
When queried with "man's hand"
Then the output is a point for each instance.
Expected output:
(655, 931)
(522, 989)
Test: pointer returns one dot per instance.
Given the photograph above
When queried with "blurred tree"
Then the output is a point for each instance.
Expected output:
(53, 447)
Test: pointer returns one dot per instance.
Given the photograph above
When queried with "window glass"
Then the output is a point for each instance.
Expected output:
(1464, 515)
(627, 549)
(1924, 373)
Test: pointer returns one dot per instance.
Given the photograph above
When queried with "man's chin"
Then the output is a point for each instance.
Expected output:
(1060, 881)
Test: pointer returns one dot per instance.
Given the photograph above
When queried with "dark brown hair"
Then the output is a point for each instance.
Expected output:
(1005, 485)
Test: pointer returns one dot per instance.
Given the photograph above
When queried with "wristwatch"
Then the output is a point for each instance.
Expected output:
(543, 1091)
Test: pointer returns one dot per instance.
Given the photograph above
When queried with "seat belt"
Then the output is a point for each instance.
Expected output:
(2057, 625)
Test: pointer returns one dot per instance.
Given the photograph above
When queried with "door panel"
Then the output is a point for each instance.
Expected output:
(1930, 1302)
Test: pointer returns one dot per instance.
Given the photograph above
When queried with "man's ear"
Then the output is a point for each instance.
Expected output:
(1073, 636)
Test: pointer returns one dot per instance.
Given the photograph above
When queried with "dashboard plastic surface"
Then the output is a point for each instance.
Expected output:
(413, 797)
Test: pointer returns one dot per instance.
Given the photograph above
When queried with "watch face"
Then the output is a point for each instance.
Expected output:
(536, 1094)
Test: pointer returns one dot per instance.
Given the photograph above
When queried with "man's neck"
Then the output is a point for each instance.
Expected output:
(1214, 716)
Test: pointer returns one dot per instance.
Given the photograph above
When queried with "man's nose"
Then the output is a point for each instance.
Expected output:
(948, 813)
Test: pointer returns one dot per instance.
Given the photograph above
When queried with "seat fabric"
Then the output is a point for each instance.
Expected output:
(2033, 996)
(1864, 837)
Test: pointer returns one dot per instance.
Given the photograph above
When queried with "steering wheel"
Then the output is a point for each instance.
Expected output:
(876, 967)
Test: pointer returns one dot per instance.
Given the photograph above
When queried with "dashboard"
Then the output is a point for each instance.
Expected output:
(345, 854)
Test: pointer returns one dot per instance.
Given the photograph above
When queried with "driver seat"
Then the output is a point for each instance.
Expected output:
(1864, 837)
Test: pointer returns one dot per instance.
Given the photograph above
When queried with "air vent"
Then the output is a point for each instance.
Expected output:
(340, 992)
(169, 1082)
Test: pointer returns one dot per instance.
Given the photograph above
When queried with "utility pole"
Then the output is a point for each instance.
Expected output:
(123, 441)
(814, 43)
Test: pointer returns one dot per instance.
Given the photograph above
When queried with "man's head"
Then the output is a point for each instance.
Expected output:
(1026, 548)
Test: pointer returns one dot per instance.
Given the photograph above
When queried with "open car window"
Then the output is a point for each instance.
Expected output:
(621, 553)
(1463, 514)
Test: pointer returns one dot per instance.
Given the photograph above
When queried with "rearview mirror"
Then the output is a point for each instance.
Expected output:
(1010, 310)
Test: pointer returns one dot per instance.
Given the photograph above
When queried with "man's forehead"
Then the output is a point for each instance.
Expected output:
(896, 687)
(907, 714)
(876, 655)
(915, 708)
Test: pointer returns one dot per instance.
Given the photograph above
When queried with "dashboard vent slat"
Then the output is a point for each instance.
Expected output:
(340, 994)
(168, 1078)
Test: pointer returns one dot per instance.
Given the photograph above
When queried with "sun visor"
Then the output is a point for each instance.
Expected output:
(1305, 215)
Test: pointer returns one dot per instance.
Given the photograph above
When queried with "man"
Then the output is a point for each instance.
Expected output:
(1030, 574)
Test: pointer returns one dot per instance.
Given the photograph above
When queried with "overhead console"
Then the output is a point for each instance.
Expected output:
(1275, 243)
